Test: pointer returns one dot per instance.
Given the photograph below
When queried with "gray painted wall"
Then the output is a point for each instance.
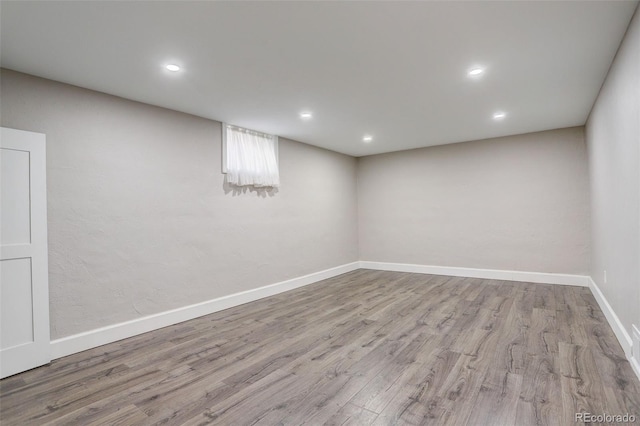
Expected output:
(515, 203)
(613, 139)
(139, 219)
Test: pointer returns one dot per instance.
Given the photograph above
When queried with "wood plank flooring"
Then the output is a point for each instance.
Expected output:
(364, 348)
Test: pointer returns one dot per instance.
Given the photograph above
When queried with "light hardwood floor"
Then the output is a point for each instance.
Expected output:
(367, 347)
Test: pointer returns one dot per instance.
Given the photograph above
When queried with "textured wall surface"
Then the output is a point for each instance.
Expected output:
(139, 218)
(513, 203)
(613, 140)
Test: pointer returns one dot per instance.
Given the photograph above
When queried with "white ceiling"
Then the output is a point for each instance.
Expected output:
(396, 71)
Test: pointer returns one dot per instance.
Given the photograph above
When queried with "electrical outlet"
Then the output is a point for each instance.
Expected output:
(605, 276)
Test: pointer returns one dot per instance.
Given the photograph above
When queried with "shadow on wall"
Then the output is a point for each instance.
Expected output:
(235, 191)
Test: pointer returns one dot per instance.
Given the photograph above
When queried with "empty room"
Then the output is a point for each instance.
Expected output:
(319, 213)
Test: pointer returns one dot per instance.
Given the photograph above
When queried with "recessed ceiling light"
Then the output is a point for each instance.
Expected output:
(476, 71)
(499, 115)
(173, 67)
(367, 138)
(306, 115)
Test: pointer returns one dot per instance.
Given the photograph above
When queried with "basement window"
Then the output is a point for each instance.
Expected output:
(249, 158)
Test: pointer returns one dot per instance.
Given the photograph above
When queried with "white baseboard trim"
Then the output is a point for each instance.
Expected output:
(616, 325)
(635, 350)
(635, 365)
(619, 330)
(101, 336)
(494, 274)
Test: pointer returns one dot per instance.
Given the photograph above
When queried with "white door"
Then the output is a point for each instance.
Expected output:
(24, 285)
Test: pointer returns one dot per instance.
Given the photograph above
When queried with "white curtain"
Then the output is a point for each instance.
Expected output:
(251, 158)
